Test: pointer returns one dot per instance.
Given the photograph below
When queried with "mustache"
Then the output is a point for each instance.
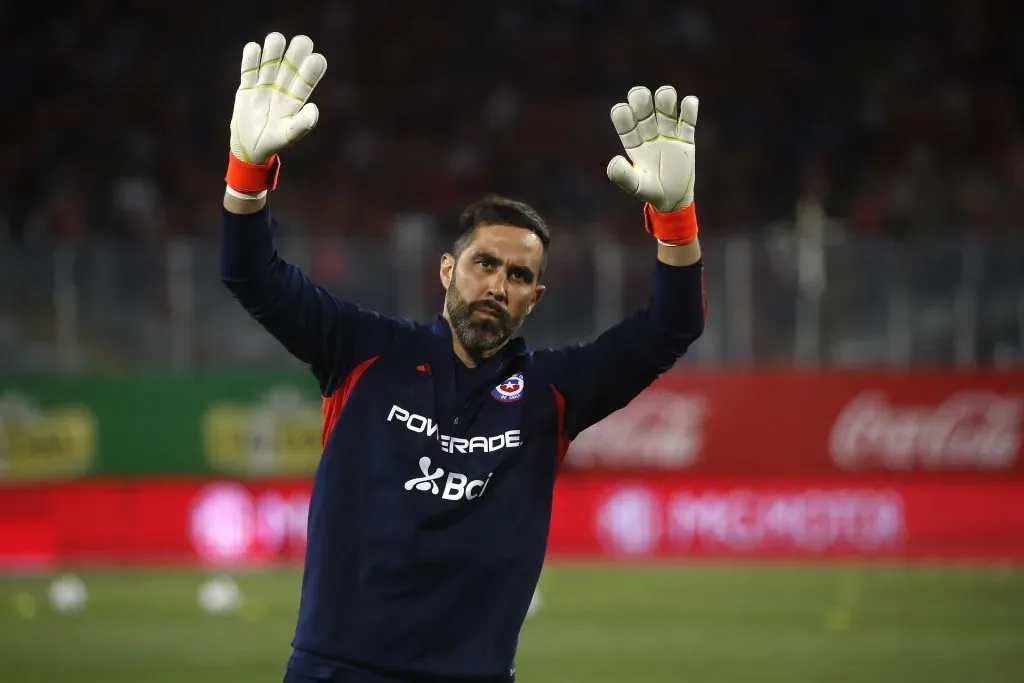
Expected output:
(495, 309)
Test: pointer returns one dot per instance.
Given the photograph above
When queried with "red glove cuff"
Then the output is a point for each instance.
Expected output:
(677, 227)
(252, 178)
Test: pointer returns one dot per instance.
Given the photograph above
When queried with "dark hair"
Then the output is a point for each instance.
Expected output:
(497, 210)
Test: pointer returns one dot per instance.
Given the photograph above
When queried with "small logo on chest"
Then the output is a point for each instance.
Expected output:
(510, 390)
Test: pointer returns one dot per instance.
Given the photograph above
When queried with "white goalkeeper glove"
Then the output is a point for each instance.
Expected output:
(658, 138)
(271, 110)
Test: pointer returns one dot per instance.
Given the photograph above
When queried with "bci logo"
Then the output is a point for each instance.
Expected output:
(456, 487)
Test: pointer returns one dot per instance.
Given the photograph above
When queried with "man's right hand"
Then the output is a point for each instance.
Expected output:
(271, 110)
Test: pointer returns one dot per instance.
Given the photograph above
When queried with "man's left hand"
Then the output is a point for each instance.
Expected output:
(658, 138)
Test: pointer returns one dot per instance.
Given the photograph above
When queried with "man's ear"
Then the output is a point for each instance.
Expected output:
(447, 266)
(539, 291)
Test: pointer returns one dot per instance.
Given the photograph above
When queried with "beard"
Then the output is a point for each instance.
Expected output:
(479, 335)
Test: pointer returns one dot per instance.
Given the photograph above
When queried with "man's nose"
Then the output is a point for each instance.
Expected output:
(497, 286)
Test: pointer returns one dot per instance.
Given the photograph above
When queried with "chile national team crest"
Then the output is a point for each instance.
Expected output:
(510, 390)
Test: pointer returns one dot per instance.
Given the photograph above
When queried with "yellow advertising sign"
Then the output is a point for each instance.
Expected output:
(278, 435)
(47, 443)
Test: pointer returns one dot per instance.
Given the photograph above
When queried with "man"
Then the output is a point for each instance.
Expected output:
(431, 504)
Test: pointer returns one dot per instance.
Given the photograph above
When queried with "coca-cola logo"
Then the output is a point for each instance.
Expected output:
(658, 429)
(968, 430)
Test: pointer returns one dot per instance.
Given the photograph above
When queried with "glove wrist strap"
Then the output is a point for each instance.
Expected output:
(252, 178)
(675, 228)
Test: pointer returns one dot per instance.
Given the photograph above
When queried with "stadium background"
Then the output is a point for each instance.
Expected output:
(828, 488)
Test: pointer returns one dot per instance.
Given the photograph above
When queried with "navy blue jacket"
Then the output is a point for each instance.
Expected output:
(430, 508)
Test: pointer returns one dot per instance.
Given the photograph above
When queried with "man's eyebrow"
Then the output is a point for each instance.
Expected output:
(525, 270)
(491, 256)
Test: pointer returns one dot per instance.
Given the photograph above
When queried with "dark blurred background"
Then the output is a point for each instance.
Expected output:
(902, 117)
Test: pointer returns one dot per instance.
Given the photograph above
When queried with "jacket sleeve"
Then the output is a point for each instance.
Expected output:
(599, 377)
(329, 334)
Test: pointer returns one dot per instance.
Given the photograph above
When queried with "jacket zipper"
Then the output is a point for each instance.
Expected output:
(475, 396)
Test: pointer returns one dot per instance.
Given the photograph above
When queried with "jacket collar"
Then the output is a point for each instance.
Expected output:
(516, 347)
(461, 412)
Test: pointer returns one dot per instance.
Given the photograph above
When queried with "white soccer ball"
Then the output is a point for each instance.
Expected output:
(68, 593)
(220, 595)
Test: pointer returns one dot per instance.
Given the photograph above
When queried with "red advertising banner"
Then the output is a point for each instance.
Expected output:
(195, 522)
(154, 521)
(676, 517)
(788, 422)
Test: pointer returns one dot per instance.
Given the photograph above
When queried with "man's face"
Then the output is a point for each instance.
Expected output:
(492, 286)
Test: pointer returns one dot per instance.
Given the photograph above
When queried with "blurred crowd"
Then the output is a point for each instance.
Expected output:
(895, 116)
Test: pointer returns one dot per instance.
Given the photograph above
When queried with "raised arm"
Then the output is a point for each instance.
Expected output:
(604, 375)
(271, 113)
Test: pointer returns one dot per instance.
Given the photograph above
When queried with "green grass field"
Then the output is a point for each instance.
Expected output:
(685, 624)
